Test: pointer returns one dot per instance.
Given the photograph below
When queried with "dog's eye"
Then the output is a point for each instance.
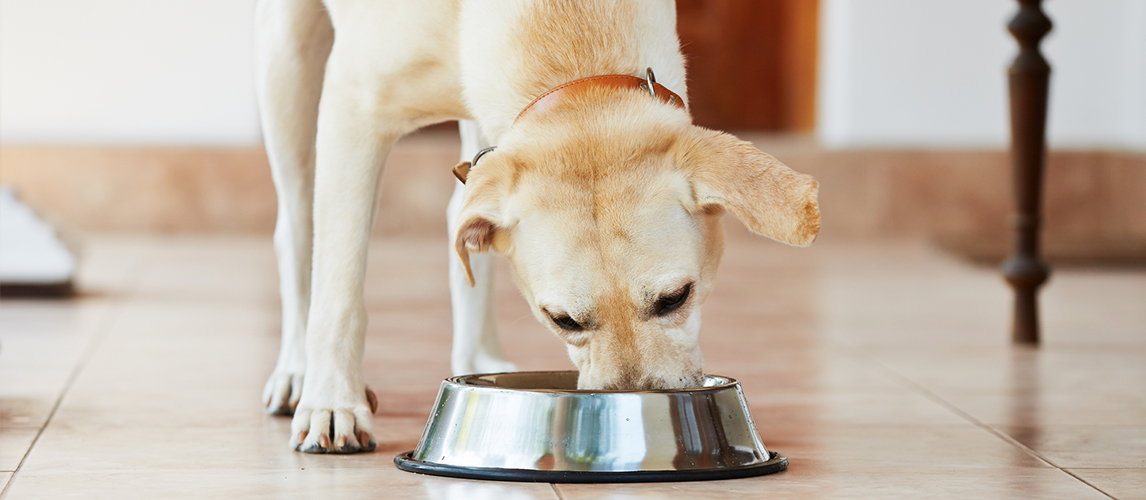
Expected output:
(565, 322)
(670, 303)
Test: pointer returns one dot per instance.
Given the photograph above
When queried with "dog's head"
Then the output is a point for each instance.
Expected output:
(610, 217)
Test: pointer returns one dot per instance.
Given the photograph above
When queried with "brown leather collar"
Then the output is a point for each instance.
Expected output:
(549, 99)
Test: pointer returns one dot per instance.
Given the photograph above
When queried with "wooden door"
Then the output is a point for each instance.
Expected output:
(751, 63)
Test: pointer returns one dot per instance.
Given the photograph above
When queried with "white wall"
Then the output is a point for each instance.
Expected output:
(127, 72)
(932, 73)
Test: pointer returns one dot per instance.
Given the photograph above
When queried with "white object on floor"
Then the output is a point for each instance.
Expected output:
(30, 251)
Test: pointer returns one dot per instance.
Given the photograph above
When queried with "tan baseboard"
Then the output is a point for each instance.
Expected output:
(175, 189)
(145, 189)
(1095, 201)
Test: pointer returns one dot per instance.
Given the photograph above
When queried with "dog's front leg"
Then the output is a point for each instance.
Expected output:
(334, 414)
(293, 42)
(476, 347)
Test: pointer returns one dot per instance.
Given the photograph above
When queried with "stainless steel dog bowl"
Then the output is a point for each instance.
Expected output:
(536, 426)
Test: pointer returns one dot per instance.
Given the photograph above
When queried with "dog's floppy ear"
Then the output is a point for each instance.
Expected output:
(767, 196)
(479, 222)
(475, 234)
(462, 171)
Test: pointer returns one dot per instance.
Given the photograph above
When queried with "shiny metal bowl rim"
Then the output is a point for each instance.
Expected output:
(464, 380)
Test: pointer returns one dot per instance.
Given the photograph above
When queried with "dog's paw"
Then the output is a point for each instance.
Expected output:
(335, 428)
(282, 392)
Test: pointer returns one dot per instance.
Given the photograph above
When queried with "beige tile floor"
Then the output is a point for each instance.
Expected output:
(882, 370)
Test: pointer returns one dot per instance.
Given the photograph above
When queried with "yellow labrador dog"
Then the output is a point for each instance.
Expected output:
(600, 192)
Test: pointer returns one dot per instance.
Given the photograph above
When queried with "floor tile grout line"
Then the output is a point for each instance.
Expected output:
(557, 491)
(1088, 483)
(925, 392)
(1004, 436)
(89, 352)
(935, 398)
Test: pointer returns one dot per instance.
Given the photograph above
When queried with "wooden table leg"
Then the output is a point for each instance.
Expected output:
(1029, 76)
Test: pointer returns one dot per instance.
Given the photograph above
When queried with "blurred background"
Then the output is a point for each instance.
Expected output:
(140, 116)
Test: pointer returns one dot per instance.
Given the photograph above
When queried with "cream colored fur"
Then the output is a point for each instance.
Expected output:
(607, 206)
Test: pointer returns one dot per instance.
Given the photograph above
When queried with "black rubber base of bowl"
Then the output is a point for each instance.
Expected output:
(775, 464)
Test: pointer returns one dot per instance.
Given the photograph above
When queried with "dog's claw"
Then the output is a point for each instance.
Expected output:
(341, 430)
(282, 392)
(372, 400)
(365, 441)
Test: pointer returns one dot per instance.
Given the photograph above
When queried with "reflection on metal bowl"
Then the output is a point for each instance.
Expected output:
(536, 426)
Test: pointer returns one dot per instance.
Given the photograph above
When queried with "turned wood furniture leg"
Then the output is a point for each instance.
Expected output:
(1029, 76)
